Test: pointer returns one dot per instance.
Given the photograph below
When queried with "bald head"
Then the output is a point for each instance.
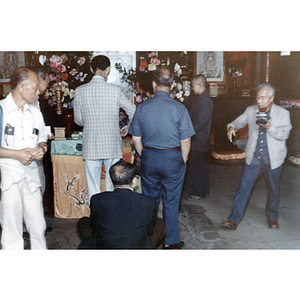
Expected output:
(122, 173)
(163, 77)
(200, 79)
(24, 85)
(198, 84)
(19, 75)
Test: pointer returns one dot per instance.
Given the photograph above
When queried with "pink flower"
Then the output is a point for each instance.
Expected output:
(63, 68)
(64, 85)
(153, 53)
(155, 61)
(139, 99)
(56, 59)
(81, 61)
(52, 77)
(73, 72)
(179, 95)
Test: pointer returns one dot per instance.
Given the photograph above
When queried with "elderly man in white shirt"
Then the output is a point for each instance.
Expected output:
(23, 143)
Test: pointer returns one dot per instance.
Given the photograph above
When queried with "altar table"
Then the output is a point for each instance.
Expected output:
(69, 179)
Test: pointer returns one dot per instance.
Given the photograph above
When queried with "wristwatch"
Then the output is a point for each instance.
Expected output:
(45, 149)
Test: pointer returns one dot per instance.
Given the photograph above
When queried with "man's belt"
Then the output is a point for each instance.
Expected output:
(153, 148)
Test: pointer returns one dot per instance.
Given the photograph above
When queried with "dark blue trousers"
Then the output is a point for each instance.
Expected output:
(199, 173)
(162, 175)
(250, 174)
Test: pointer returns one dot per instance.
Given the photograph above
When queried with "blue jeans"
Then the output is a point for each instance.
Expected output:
(162, 174)
(249, 176)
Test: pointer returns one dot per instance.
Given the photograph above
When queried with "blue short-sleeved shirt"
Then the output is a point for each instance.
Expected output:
(161, 122)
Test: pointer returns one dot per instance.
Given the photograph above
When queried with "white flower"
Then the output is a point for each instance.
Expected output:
(178, 86)
(66, 92)
(176, 67)
(48, 93)
(71, 93)
(151, 67)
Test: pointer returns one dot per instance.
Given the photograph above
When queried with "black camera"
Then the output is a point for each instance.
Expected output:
(262, 117)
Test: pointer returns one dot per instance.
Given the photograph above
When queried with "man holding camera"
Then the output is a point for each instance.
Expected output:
(269, 127)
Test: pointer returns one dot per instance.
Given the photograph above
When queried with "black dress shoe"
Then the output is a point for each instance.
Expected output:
(174, 246)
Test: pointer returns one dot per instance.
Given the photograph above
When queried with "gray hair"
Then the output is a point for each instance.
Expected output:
(268, 86)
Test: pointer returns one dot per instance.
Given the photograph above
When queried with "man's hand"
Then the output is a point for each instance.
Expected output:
(124, 130)
(25, 156)
(267, 125)
(38, 153)
(230, 133)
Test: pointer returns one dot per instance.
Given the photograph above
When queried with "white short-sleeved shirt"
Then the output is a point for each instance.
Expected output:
(28, 131)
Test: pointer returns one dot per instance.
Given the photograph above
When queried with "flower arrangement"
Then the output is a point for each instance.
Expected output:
(175, 61)
(67, 70)
(290, 103)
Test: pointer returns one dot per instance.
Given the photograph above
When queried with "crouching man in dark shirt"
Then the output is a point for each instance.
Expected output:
(121, 219)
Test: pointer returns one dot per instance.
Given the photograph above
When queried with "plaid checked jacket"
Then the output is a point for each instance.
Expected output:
(96, 108)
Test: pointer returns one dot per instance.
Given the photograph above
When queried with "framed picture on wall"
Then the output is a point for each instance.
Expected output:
(127, 59)
(9, 61)
(211, 65)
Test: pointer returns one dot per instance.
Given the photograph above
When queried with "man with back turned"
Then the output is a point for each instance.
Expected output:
(161, 133)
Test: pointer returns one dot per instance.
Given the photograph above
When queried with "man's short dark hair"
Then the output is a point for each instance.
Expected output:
(100, 62)
(19, 75)
(163, 77)
(40, 71)
(122, 173)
